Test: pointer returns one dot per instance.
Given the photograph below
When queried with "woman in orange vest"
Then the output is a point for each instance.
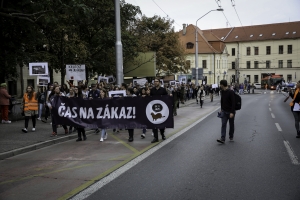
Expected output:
(295, 108)
(30, 107)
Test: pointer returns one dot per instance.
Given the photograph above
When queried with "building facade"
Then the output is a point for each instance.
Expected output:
(212, 54)
(255, 52)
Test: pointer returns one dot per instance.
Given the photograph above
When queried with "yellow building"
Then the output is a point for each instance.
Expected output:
(245, 53)
(257, 51)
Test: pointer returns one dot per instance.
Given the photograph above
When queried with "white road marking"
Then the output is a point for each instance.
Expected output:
(278, 127)
(270, 109)
(291, 153)
(273, 116)
(96, 186)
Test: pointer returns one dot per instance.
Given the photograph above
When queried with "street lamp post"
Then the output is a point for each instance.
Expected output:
(196, 39)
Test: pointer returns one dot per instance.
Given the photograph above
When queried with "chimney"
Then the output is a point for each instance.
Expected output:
(184, 29)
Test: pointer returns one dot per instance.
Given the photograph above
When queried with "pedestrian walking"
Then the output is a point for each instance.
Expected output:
(4, 103)
(227, 111)
(176, 97)
(41, 101)
(130, 93)
(47, 94)
(295, 107)
(30, 107)
(157, 90)
(201, 96)
(211, 93)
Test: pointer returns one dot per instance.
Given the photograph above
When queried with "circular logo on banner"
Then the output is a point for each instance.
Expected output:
(157, 111)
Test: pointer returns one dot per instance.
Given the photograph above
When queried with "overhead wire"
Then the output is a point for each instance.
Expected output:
(165, 12)
(219, 5)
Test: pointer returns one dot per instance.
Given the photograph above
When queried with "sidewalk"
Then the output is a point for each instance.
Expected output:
(14, 142)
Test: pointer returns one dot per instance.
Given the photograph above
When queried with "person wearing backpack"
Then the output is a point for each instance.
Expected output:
(228, 107)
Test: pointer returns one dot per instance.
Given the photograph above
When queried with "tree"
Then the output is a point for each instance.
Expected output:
(156, 34)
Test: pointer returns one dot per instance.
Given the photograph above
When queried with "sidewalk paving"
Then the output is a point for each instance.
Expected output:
(14, 142)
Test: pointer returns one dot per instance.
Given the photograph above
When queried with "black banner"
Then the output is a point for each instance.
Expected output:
(122, 112)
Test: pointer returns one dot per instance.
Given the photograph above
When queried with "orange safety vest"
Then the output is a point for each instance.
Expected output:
(296, 92)
(30, 104)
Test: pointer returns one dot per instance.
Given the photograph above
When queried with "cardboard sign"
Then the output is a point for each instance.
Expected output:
(36, 69)
(75, 72)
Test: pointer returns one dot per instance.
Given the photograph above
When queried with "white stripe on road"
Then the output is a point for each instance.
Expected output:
(291, 153)
(273, 116)
(270, 109)
(102, 182)
(278, 127)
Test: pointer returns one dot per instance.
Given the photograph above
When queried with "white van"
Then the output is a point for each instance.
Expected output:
(257, 86)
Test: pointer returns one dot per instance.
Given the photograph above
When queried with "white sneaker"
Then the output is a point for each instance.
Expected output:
(7, 122)
(51, 123)
(105, 136)
(101, 139)
(39, 119)
(33, 129)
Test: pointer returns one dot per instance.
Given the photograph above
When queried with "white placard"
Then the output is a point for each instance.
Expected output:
(111, 79)
(117, 93)
(141, 81)
(214, 85)
(36, 69)
(43, 80)
(172, 83)
(103, 79)
(75, 72)
(296, 107)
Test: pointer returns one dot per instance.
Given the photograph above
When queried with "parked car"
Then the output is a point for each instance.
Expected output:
(257, 86)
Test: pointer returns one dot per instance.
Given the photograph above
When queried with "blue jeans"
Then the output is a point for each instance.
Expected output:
(224, 125)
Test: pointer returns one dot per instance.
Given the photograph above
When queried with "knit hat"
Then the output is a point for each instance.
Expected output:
(3, 85)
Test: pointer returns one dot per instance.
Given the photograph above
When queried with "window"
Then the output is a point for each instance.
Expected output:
(273, 34)
(256, 64)
(233, 51)
(233, 65)
(290, 49)
(289, 77)
(251, 35)
(204, 64)
(268, 50)
(248, 51)
(280, 51)
(248, 64)
(189, 45)
(256, 78)
(260, 35)
(236, 36)
(255, 50)
(267, 64)
(294, 32)
(287, 33)
(289, 63)
(280, 63)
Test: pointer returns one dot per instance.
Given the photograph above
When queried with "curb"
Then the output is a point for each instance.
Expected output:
(40, 145)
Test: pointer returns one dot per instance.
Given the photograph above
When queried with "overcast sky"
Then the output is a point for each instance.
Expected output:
(250, 12)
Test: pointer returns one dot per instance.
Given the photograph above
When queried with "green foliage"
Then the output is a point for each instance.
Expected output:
(64, 32)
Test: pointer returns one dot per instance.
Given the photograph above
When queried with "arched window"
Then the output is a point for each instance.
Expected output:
(189, 45)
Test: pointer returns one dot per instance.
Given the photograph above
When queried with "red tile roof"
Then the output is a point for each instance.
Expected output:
(287, 30)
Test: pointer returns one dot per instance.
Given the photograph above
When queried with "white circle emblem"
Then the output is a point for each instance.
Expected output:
(157, 112)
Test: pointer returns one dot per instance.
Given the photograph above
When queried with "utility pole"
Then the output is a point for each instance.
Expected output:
(118, 45)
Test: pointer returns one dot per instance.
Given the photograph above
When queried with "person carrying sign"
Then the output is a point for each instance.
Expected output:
(156, 91)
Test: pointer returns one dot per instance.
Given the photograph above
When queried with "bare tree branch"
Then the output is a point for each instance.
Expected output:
(10, 16)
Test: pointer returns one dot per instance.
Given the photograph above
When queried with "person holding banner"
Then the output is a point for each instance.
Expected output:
(30, 107)
(56, 92)
(157, 90)
(103, 95)
(130, 93)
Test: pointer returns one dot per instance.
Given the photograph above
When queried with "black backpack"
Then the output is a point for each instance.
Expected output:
(238, 101)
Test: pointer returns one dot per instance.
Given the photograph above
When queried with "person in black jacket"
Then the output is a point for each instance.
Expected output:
(228, 111)
(156, 91)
